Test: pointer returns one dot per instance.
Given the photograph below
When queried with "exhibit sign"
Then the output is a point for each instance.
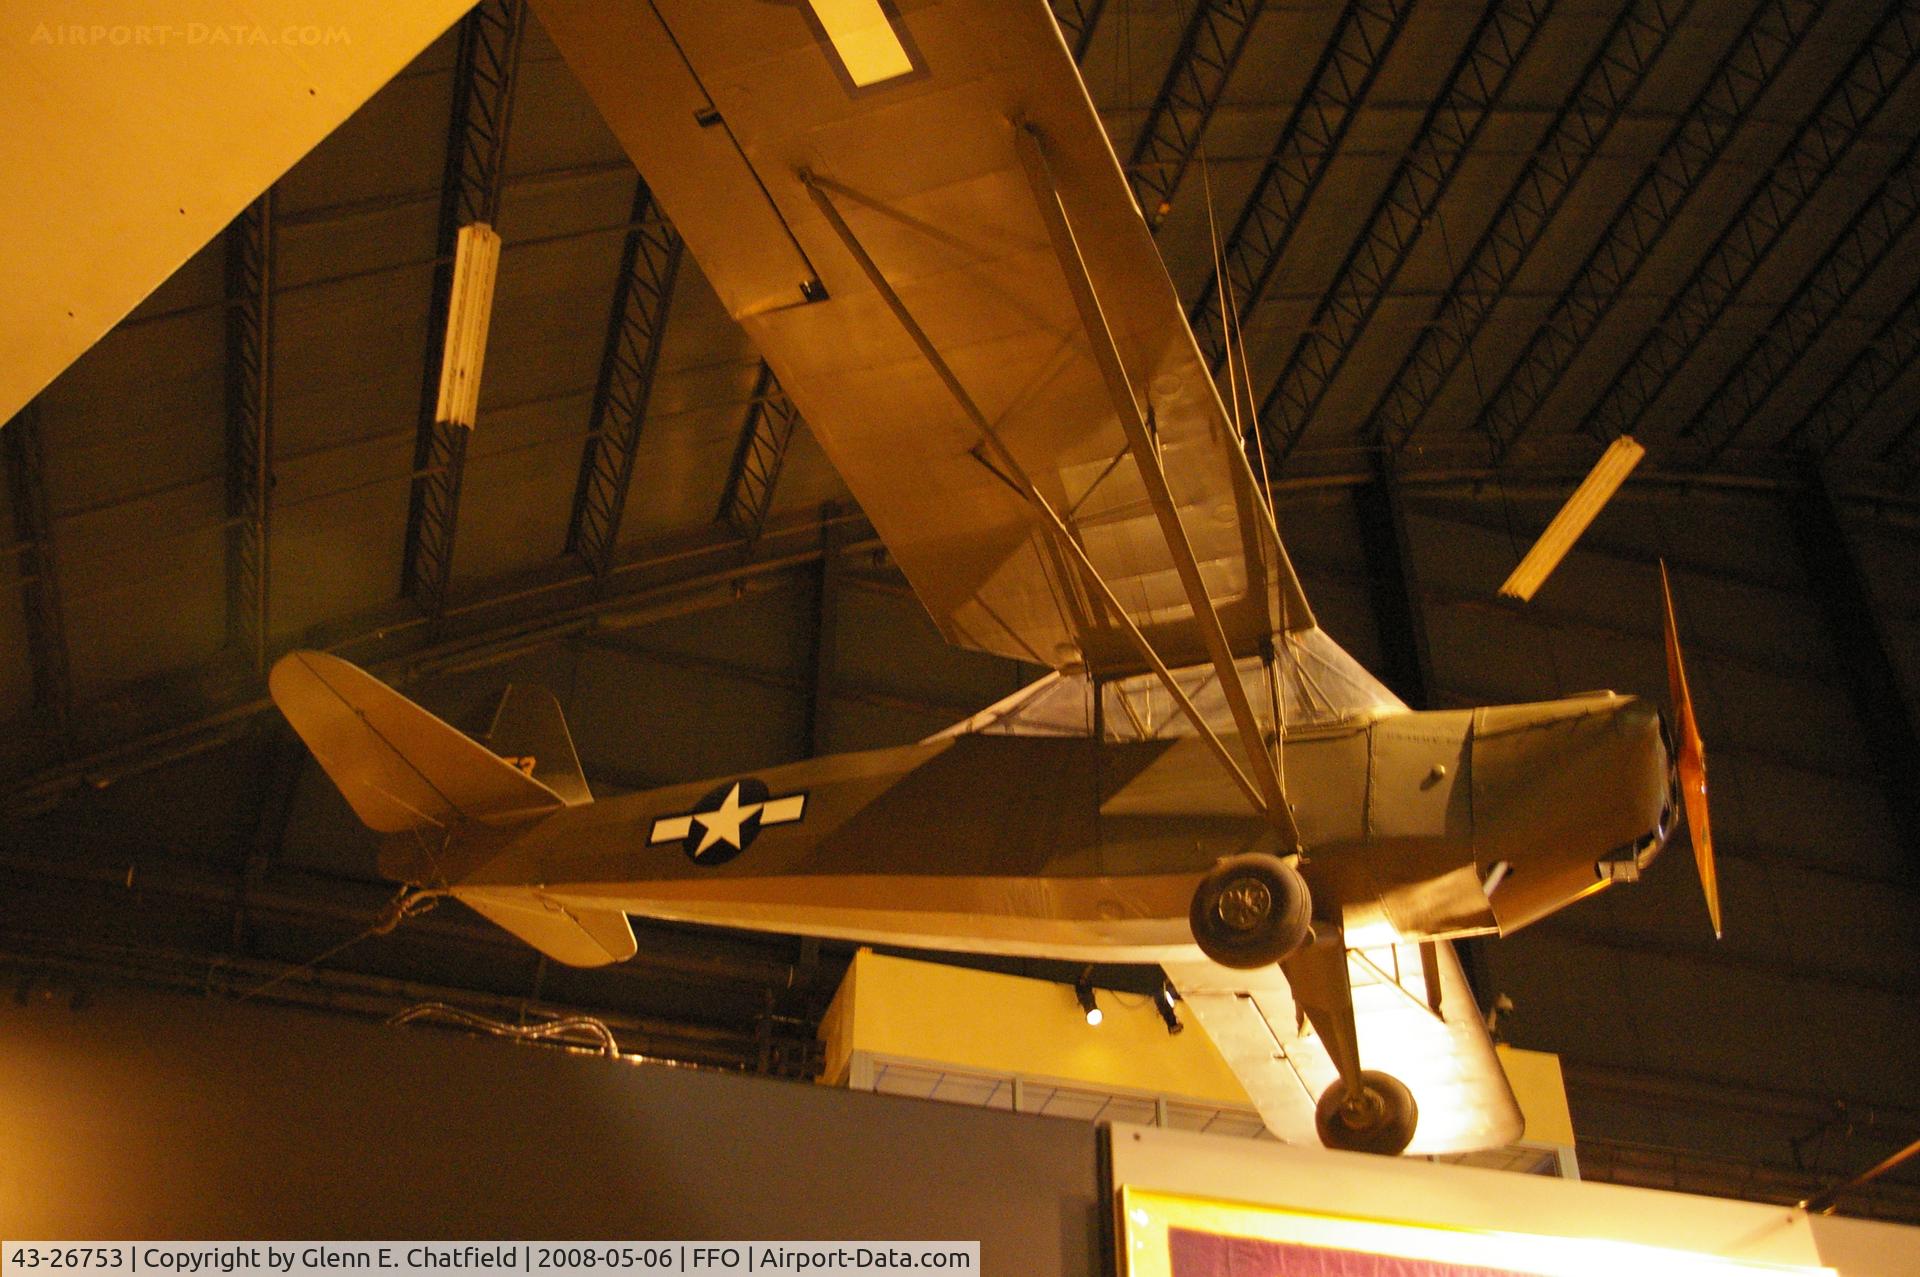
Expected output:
(1173, 1235)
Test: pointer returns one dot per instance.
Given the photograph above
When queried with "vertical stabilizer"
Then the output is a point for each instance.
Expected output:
(530, 731)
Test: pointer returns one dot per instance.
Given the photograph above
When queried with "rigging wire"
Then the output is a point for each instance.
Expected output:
(408, 903)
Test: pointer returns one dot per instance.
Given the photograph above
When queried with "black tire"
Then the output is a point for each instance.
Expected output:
(1251, 911)
(1381, 1123)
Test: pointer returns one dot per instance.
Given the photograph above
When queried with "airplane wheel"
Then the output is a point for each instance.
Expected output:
(1251, 911)
(1380, 1121)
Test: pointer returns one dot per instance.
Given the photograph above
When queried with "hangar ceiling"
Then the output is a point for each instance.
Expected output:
(1468, 243)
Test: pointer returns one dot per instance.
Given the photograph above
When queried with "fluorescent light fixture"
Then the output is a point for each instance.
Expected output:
(1608, 473)
(476, 264)
(863, 36)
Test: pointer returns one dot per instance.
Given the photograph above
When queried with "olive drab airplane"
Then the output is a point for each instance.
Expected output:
(913, 210)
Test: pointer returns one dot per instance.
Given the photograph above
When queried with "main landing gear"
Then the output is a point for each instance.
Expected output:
(1251, 911)
(1379, 1119)
(1254, 910)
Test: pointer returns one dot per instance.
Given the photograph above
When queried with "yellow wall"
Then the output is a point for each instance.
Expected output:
(1542, 1092)
(1010, 1024)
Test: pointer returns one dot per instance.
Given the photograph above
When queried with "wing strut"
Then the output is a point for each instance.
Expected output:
(1275, 810)
(1146, 456)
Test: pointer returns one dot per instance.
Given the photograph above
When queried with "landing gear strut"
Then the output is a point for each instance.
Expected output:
(1251, 911)
(1380, 1119)
(1364, 1111)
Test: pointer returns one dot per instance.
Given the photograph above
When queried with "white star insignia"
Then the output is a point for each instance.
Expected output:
(732, 822)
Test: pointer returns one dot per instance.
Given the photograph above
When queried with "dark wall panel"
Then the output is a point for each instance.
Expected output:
(146, 1115)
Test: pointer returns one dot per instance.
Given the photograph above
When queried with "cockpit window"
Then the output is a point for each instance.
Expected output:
(1314, 681)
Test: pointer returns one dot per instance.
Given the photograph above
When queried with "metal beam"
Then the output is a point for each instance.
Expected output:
(485, 68)
(649, 262)
(282, 758)
(1903, 452)
(521, 612)
(825, 656)
(1892, 349)
(1861, 91)
(1210, 47)
(1077, 19)
(1692, 148)
(1405, 654)
(1777, 349)
(24, 458)
(1881, 703)
(1499, 40)
(1363, 35)
(249, 371)
(771, 422)
(1611, 78)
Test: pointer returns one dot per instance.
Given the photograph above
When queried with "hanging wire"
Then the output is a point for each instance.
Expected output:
(1235, 338)
(408, 904)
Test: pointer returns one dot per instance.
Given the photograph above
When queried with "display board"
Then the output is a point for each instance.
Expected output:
(1168, 1235)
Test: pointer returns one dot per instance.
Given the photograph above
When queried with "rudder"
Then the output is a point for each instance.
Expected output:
(530, 731)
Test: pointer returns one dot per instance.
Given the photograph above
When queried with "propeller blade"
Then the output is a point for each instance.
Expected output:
(1693, 759)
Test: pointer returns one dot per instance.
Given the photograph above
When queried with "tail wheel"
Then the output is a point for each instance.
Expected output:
(1251, 911)
(1378, 1120)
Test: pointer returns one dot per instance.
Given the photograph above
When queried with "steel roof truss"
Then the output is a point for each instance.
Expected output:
(1612, 76)
(1362, 37)
(1690, 152)
(22, 451)
(1777, 349)
(649, 264)
(770, 425)
(1499, 40)
(1210, 48)
(1886, 57)
(249, 371)
(485, 69)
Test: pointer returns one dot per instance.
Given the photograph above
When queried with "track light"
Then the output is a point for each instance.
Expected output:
(1608, 473)
(1083, 990)
(1163, 1001)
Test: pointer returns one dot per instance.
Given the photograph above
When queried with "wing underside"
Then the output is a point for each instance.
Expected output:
(1417, 1022)
(834, 221)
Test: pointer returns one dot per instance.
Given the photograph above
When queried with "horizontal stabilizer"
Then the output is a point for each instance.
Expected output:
(577, 937)
(399, 767)
(530, 730)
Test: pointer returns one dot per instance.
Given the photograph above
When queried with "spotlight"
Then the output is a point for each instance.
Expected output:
(1083, 990)
(1163, 1003)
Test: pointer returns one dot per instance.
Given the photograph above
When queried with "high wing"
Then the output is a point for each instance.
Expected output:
(1416, 1020)
(947, 273)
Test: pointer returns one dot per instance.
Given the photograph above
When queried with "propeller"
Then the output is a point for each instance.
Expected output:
(1692, 761)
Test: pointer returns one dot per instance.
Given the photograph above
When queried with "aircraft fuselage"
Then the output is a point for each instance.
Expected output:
(1075, 848)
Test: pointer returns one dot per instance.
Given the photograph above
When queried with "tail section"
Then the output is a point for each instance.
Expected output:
(399, 767)
(530, 732)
